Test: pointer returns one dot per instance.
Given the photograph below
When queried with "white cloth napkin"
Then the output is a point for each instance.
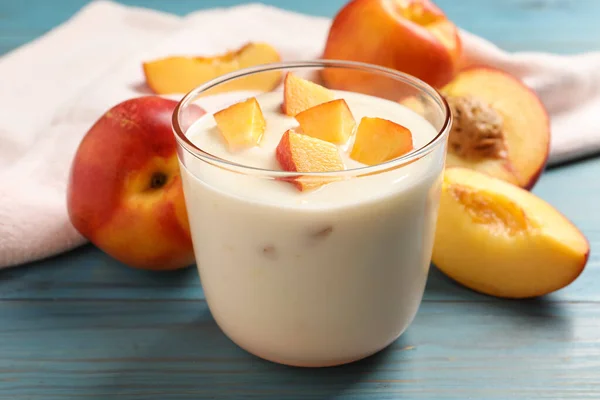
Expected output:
(57, 86)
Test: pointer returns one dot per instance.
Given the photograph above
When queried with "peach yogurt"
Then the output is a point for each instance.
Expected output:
(325, 267)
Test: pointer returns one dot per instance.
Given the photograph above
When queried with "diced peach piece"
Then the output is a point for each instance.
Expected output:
(302, 153)
(379, 140)
(501, 240)
(300, 94)
(180, 74)
(241, 124)
(331, 121)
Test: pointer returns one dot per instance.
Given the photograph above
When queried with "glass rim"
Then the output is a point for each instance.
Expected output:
(186, 144)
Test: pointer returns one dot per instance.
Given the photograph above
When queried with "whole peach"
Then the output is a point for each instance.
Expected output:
(411, 36)
(124, 192)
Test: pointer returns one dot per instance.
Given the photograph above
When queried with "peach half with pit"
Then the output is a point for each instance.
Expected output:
(500, 126)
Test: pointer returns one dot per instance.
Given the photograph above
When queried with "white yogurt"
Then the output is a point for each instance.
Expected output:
(313, 278)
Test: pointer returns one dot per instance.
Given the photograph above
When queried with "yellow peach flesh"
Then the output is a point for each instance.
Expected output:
(301, 94)
(525, 126)
(502, 240)
(297, 152)
(331, 121)
(378, 140)
(180, 74)
(242, 124)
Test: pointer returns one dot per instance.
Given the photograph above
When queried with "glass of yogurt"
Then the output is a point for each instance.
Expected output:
(322, 277)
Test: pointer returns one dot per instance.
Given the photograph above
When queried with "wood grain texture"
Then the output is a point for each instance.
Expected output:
(173, 350)
(82, 326)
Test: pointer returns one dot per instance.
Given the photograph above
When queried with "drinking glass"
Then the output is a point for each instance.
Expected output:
(320, 278)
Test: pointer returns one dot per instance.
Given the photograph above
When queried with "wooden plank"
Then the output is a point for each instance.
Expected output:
(453, 350)
(88, 274)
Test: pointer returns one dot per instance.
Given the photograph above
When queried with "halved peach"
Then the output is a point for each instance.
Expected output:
(499, 239)
(500, 126)
(301, 94)
(180, 74)
(302, 153)
(332, 121)
(241, 124)
(378, 140)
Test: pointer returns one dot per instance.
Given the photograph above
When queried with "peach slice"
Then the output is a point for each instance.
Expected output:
(179, 74)
(241, 124)
(332, 121)
(500, 126)
(302, 153)
(300, 94)
(499, 239)
(412, 36)
(379, 140)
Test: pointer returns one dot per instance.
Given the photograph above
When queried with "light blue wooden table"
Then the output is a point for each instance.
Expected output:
(81, 326)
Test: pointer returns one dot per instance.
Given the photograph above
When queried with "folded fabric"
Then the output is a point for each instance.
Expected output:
(44, 112)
